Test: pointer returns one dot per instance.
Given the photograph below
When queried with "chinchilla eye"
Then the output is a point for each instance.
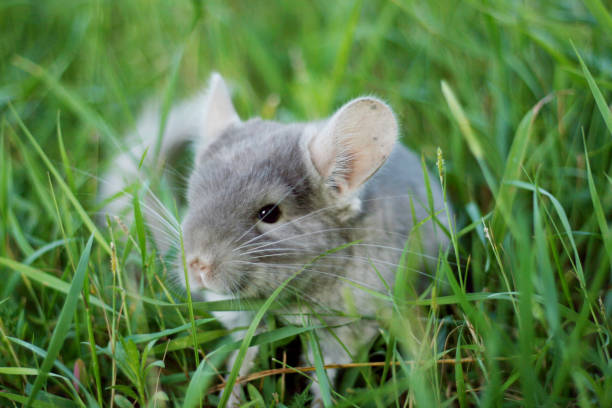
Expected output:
(269, 213)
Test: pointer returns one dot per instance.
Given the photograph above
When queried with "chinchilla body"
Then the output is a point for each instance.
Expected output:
(327, 207)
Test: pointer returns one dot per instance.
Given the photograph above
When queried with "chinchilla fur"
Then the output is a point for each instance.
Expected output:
(332, 202)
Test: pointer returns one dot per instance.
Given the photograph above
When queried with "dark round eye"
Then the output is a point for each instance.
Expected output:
(269, 213)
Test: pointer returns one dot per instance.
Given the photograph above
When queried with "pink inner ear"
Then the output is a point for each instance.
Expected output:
(354, 144)
(323, 152)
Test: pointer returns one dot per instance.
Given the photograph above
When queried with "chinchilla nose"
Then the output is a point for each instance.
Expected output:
(199, 272)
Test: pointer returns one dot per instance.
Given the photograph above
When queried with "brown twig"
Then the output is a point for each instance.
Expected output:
(299, 370)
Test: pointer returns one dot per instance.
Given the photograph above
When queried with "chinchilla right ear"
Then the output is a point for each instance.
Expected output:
(218, 113)
(354, 143)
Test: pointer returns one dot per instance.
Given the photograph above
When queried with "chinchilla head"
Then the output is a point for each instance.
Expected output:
(266, 198)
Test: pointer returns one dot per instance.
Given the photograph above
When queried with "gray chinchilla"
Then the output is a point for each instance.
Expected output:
(267, 198)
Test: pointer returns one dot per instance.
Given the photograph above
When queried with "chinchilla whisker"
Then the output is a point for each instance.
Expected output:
(162, 238)
(401, 250)
(162, 207)
(269, 250)
(382, 262)
(99, 179)
(293, 253)
(171, 235)
(292, 288)
(313, 253)
(275, 205)
(308, 234)
(295, 267)
(161, 210)
(357, 244)
(159, 218)
(266, 250)
(303, 217)
(324, 231)
(331, 207)
(360, 259)
(310, 301)
(365, 260)
(149, 203)
(374, 262)
(183, 177)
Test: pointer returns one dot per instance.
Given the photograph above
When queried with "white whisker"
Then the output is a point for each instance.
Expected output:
(275, 205)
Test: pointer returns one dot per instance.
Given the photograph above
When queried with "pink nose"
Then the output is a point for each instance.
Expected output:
(199, 270)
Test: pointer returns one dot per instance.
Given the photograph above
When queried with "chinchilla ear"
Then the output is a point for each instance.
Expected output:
(354, 143)
(219, 112)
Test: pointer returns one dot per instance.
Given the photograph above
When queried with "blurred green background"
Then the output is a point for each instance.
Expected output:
(78, 72)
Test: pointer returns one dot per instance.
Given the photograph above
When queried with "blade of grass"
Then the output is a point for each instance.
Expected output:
(502, 218)
(599, 212)
(206, 371)
(599, 99)
(600, 13)
(600, 277)
(143, 338)
(62, 149)
(168, 99)
(208, 367)
(22, 399)
(35, 174)
(459, 375)
(58, 364)
(564, 221)
(568, 231)
(44, 249)
(60, 180)
(526, 331)
(231, 380)
(46, 279)
(549, 291)
(5, 175)
(343, 53)
(63, 323)
(468, 133)
(89, 318)
(321, 374)
(19, 371)
(194, 334)
(69, 98)
(140, 230)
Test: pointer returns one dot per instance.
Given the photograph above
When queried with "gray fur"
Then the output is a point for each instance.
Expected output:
(260, 162)
(254, 163)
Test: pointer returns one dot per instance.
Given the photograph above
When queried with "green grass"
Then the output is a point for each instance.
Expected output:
(515, 94)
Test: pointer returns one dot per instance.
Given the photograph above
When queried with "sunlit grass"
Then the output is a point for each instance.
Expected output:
(516, 95)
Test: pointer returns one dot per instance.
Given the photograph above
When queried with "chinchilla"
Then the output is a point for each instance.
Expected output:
(326, 205)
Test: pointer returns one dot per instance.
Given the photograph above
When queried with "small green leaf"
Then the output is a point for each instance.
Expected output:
(204, 374)
(256, 398)
(123, 402)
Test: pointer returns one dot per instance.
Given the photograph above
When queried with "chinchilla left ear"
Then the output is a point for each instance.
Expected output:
(219, 112)
(354, 143)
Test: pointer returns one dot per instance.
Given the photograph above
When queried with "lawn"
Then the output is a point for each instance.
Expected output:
(509, 101)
